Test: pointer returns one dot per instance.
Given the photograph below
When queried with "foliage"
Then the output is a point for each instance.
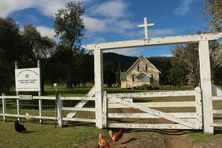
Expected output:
(69, 28)
(189, 55)
(164, 64)
(144, 87)
(110, 73)
(10, 45)
(36, 46)
(214, 9)
(69, 24)
(178, 73)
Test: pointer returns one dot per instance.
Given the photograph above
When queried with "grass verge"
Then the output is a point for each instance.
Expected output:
(44, 135)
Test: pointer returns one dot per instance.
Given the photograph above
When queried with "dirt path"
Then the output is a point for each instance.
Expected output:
(142, 139)
(178, 141)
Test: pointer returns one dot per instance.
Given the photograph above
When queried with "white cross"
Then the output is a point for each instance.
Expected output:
(145, 25)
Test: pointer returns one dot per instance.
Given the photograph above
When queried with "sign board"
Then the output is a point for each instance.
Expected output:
(27, 79)
(25, 97)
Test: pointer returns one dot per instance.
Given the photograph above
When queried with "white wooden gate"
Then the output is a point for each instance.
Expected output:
(148, 110)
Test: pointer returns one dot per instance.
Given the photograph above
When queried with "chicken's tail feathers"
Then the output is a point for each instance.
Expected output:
(111, 133)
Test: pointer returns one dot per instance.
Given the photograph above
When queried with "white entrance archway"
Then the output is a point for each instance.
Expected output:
(205, 75)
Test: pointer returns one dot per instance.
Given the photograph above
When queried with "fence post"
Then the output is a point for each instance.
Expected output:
(40, 110)
(104, 112)
(17, 104)
(39, 92)
(17, 94)
(3, 107)
(198, 107)
(59, 111)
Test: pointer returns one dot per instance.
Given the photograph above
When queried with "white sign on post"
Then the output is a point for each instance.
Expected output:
(27, 79)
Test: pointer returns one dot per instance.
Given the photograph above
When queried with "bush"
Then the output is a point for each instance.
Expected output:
(143, 87)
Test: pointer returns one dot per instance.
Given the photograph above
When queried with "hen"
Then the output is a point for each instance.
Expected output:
(19, 127)
(116, 136)
(102, 142)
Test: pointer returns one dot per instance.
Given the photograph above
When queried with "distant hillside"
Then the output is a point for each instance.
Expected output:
(124, 61)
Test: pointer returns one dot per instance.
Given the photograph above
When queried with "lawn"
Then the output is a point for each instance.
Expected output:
(44, 135)
(79, 91)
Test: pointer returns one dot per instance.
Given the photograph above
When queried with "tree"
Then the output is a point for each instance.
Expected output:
(9, 51)
(59, 65)
(32, 42)
(189, 55)
(178, 74)
(69, 28)
(35, 48)
(110, 73)
(69, 24)
(164, 64)
(214, 9)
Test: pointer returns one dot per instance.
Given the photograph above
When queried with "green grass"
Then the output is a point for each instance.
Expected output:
(197, 137)
(200, 137)
(63, 90)
(44, 135)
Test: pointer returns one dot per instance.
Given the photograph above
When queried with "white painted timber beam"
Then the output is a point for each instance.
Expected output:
(182, 115)
(98, 71)
(154, 41)
(152, 94)
(156, 104)
(206, 86)
(148, 126)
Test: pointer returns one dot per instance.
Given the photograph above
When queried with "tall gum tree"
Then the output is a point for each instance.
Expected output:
(69, 27)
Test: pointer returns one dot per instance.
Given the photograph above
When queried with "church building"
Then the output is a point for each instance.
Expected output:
(141, 72)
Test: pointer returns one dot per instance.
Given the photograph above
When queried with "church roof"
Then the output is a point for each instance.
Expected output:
(141, 57)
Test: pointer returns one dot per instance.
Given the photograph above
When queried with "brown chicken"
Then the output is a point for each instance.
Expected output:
(116, 136)
(102, 142)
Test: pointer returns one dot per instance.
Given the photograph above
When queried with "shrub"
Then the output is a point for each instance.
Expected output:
(143, 87)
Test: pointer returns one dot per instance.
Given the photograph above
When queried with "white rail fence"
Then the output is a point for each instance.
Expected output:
(59, 108)
(146, 109)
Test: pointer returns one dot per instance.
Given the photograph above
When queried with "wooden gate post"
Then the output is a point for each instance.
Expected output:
(98, 71)
(205, 79)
